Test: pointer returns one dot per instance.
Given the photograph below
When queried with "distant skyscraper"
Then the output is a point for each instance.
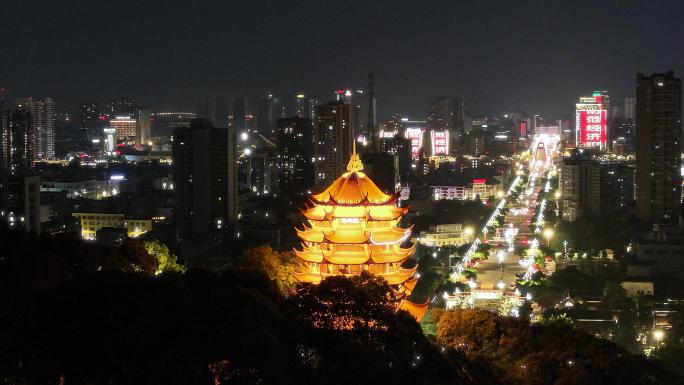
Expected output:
(123, 106)
(459, 115)
(269, 110)
(333, 140)
(372, 124)
(630, 109)
(2, 98)
(439, 114)
(18, 141)
(144, 127)
(221, 112)
(240, 112)
(295, 150)
(204, 178)
(87, 116)
(659, 129)
(43, 115)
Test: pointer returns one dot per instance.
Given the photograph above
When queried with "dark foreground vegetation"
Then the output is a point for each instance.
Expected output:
(74, 313)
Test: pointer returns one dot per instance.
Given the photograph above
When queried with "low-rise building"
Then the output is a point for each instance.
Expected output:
(91, 223)
(83, 188)
(443, 235)
(479, 188)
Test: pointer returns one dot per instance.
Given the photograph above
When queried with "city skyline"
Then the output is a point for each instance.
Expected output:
(172, 56)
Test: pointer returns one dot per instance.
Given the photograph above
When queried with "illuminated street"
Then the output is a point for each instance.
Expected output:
(497, 275)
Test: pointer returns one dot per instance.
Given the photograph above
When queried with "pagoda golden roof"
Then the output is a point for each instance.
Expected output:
(375, 213)
(386, 236)
(353, 187)
(417, 310)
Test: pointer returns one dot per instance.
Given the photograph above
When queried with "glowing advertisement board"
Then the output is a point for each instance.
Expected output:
(591, 125)
(387, 134)
(591, 122)
(440, 142)
(415, 135)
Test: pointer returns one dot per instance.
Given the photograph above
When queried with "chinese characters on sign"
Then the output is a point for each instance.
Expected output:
(415, 135)
(440, 143)
(591, 124)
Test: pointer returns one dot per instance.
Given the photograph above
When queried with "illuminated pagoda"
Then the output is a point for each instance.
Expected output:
(353, 227)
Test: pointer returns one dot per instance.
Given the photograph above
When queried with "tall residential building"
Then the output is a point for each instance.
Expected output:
(43, 115)
(580, 183)
(333, 135)
(18, 141)
(630, 109)
(617, 187)
(20, 200)
(439, 114)
(269, 110)
(459, 115)
(240, 112)
(126, 127)
(87, 116)
(372, 124)
(659, 128)
(294, 152)
(205, 178)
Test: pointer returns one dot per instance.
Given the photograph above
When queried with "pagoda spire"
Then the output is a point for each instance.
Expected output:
(354, 164)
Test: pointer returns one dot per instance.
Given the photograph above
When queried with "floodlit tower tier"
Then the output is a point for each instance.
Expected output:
(353, 227)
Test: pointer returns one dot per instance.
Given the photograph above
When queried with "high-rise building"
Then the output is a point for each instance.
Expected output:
(294, 152)
(659, 129)
(269, 110)
(332, 140)
(123, 106)
(20, 200)
(18, 141)
(43, 115)
(204, 176)
(630, 109)
(591, 121)
(459, 115)
(87, 116)
(617, 187)
(580, 184)
(143, 127)
(221, 112)
(372, 124)
(439, 114)
(240, 112)
(126, 127)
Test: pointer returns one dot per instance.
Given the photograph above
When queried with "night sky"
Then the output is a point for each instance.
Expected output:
(536, 56)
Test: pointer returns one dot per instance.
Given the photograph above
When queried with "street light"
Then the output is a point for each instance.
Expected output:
(565, 248)
(501, 285)
(548, 234)
(469, 231)
(658, 335)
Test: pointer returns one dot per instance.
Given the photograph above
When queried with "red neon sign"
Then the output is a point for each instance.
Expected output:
(592, 128)
(415, 135)
(440, 143)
